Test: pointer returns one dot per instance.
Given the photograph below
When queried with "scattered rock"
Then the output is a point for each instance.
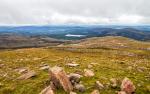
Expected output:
(73, 93)
(141, 69)
(95, 92)
(93, 63)
(139, 85)
(122, 92)
(44, 67)
(148, 48)
(72, 64)
(90, 66)
(1, 65)
(47, 90)
(88, 73)
(99, 85)
(27, 75)
(21, 70)
(74, 78)
(113, 83)
(43, 64)
(1, 84)
(60, 79)
(80, 87)
(128, 86)
(4, 75)
(36, 58)
(77, 71)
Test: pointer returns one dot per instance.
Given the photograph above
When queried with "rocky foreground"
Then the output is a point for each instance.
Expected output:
(71, 83)
(121, 69)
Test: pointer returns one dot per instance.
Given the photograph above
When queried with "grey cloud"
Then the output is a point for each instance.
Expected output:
(74, 11)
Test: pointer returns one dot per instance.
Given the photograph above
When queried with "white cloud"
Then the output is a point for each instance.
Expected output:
(130, 19)
(74, 11)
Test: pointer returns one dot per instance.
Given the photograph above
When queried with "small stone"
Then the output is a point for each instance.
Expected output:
(73, 93)
(99, 85)
(36, 58)
(139, 85)
(74, 78)
(72, 64)
(22, 70)
(1, 65)
(27, 75)
(122, 92)
(93, 63)
(47, 90)
(44, 67)
(1, 84)
(148, 48)
(95, 92)
(141, 69)
(80, 87)
(88, 73)
(128, 86)
(113, 83)
(90, 66)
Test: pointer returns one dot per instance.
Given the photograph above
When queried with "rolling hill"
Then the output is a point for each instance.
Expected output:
(111, 42)
(108, 57)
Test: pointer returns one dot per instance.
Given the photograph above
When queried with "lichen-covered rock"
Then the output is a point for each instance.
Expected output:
(128, 86)
(60, 79)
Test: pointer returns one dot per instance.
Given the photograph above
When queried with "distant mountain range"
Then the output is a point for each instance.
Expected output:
(35, 36)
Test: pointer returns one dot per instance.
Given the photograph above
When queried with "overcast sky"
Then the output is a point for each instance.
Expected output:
(21, 12)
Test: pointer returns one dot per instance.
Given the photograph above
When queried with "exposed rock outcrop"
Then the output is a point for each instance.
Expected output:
(60, 79)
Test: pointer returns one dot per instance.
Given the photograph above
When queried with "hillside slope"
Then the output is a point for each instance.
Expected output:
(116, 63)
(10, 40)
(111, 42)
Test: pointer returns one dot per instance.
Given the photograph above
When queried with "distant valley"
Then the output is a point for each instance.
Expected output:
(52, 35)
